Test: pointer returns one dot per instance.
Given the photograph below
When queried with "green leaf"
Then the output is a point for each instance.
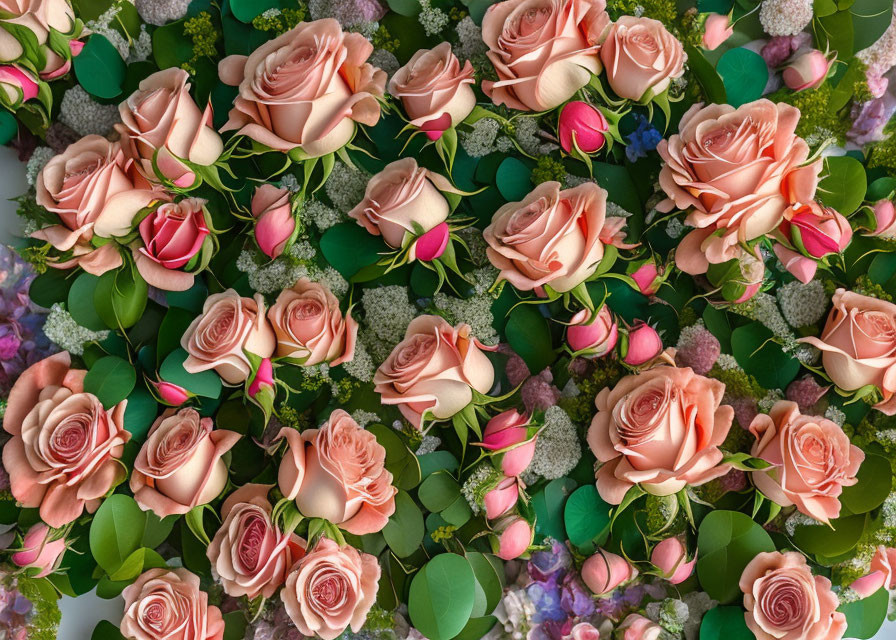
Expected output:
(707, 76)
(110, 379)
(141, 560)
(870, 19)
(404, 531)
(744, 74)
(348, 248)
(80, 302)
(843, 188)
(488, 571)
(140, 413)
(875, 482)
(204, 383)
(246, 10)
(529, 336)
(726, 542)
(843, 534)
(548, 504)
(50, 287)
(865, 617)
(235, 624)
(441, 597)
(99, 68)
(105, 630)
(725, 623)
(116, 531)
(586, 516)
(513, 180)
(400, 461)
(439, 491)
(754, 350)
(120, 297)
(9, 126)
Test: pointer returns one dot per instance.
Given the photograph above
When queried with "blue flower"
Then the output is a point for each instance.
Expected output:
(643, 139)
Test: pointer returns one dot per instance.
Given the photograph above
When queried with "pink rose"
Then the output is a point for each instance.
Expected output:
(858, 345)
(307, 88)
(604, 571)
(330, 589)
(644, 344)
(508, 433)
(63, 455)
(784, 600)
(636, 627)
(167, 604)
(501, 498)
(309, 326)
(432, 244)
(716, 30)
(179, 466)
(18, 86)
(660, 428)
(812, 460)
(671, 557)
(582, 124)
(554, 236)
(435, 92)
(884, 219)
(736, 171)
(434, 370)
(250, 556)
(808, 71)
(172, 235)
(164, 132)
(264, 378)
(543, 50)
(275, 224)
(583, 631)
(880, 574)
(401, 201)
(338, 473)
(42, 551)
(641, 57)
(229, 326)
(593, 338)
(816, 230)
(512, 537)
(648, 277)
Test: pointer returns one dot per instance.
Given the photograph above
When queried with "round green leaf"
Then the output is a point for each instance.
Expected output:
(204, 383)
(744, 74)
(586, 515)
(110, 379)
(116, 531)
(529, 336)
(763, 359)
(725, 623)
(513, 179)
(105, 630)
(844, 186)
(488, 571)
(348, 248)
(140, 413)
(438, 491)
(80, 302)
(866, 616)
(246, 10)
(548, 504)
(404, 531)
(120, 297)
(875, 482)
(400, 461)
(441, 596)
(840, 537)
(99, 68)
(50, 287)
(726, 542)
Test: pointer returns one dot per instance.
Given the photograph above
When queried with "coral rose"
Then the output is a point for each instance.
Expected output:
(784, 601)
(63, 455)
(434, 370)
(543, 50)
(180, 466)
(660, 428)
(307, 88)
(172, 235)
(330, 589)
(641, 57)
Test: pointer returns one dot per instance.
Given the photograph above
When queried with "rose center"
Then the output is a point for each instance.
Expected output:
(307, 309)
(415, 349)
(70, 437)
(251, 542)
(329, 591)
(784, 603)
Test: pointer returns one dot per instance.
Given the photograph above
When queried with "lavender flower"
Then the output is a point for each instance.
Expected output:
(869, 119)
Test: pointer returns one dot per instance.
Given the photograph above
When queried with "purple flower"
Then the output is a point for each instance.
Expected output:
(544, 566)
(869, 119)
(574, 598)
(546, 598)
(641, 140)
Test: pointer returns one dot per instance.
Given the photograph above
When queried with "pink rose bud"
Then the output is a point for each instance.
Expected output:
(172, 394)
(869, 584)
(502, 498)
(802, 268)
(644, 344)
(596, 338)
(670, 556)
(13, 80)
(39, 552)
(808, 71)
(274, 222)
(716, 31)
(648, 278)
(637, 627)
(586, 123)
(583, 631)
(884, 560)
(75, 46)
(432, 244)
(884, 217)
(604, 571)
(264, 377)
(509, 431)
(817, 230)
(513, 535)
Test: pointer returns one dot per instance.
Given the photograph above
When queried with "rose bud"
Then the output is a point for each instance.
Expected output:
(508, 432)
(264, 377)
(502, 498)
(274, 222)
(583, 631)
(816, 230)
(880, 574)
(808, 71)
(648, 277)
(171, 394)
(884, 219)
(739, 278)
(637, 627)
(18, 86)
(431, 244)
(513, 535)
(670, 556)
(582, 126)
(604, 571)
(40, 551)
(801, 267)
(172, 235)
(716, 30)
(594, 339)
(644, 344)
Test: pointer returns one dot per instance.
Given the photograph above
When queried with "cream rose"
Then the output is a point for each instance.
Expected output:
(309, 326)
(250, 556)
(858, 345)
(229, 326)
(338, 473)
(180, 466)
(330, 589)
(40, 18)
(434, 370)
(63, 455)
(785, 601)
(641, 57)
(543, 50)
(165, 604)
(660, 428)
(307, 88)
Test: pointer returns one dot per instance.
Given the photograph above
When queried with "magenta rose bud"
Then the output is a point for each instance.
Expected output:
(808, 71)
(596, 338)
(12, 81)
(671, 557)
(509, 431)
(171, 394)
(583, 124)
(502, 498)
(604, 571)
(433, 243)
(39, 551)
(264, 377)
(716, 31)
(274, 222)
(817, 230)
(513, 535)
(644, 344)
(648, 278)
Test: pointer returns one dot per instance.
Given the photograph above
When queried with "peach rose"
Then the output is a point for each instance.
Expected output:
(164, 132)
(660, 428)
(63, 455)
(434, 370)
(435, 92)
(167, 604)
(604, 571)
(641, 57)
(250, 556)
(543, 50)
(812, 460)
(229, 326)
(554, 236)
(880, 573)
(330, 589)
(179, 466)
(338, 473)
(784, 601)
(735, 171)
(309, 326)
(403, 200)
(306, 88)
(172, 236)
(858, 345)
